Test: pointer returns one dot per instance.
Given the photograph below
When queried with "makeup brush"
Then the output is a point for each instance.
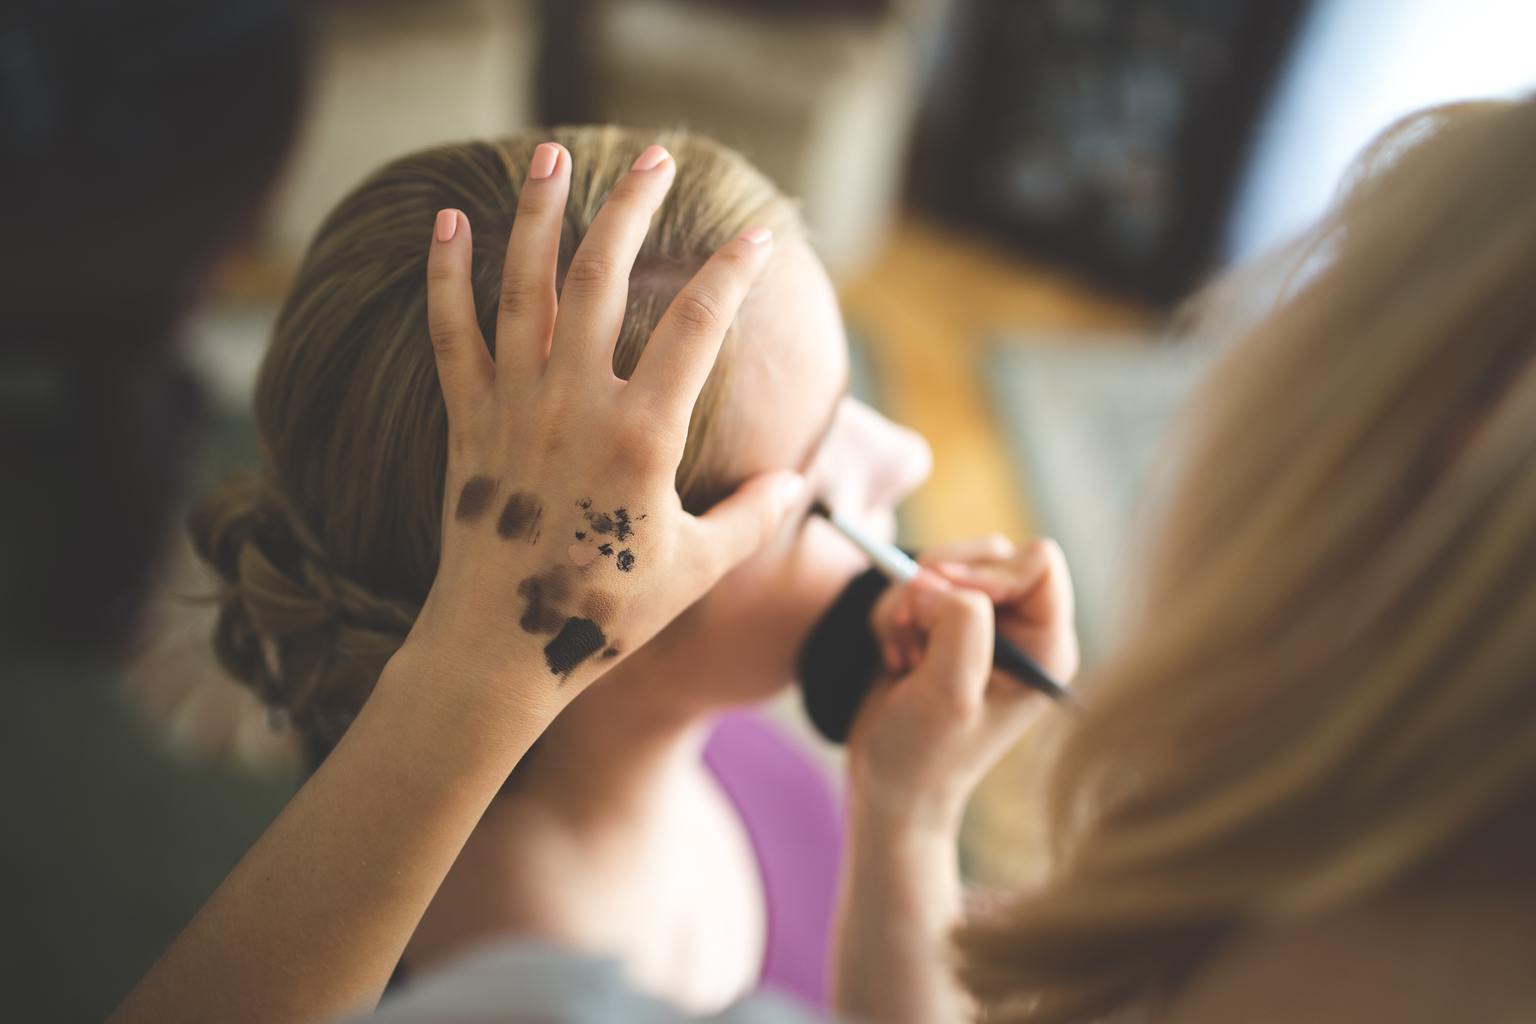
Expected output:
(898, 567)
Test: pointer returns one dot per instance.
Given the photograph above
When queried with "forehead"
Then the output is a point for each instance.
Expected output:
(791, 365)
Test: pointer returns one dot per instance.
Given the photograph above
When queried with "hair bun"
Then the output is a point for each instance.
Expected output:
(309, 641)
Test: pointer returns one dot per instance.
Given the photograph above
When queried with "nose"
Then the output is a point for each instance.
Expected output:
(896, 459)
(911, 463)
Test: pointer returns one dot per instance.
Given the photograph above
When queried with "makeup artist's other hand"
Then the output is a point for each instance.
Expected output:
(1030, 587)
(923, 740)
(565, 545)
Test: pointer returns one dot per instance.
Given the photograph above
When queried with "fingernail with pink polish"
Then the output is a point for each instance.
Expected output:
(447, 225)
(757, 236)
(652, 157)
(545, 157)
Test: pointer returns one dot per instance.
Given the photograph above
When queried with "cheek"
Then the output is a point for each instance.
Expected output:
(765, 608)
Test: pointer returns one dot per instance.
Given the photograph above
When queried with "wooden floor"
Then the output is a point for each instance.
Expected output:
(928, 308)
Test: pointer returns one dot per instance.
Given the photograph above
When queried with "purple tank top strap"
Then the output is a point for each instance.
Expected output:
(794, 820)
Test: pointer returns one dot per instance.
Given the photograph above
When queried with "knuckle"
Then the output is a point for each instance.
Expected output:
(445, 334)
(534, 204)
(972, 603)
(641, 443)
(698, 309)
(519, 296)
(737, 257)
(631, 190)
(1037, 552)
(591, 271)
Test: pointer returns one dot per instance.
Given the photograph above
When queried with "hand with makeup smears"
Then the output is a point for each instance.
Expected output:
(565, 544)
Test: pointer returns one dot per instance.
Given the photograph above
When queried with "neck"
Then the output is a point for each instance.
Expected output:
(591, 807)
(612, 758)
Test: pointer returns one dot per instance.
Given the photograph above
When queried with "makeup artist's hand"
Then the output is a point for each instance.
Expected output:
(565, 545)
(924, 739)
(1030, 587)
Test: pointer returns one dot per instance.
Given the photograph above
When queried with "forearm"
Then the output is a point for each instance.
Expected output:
(900, 898)
(313, 919)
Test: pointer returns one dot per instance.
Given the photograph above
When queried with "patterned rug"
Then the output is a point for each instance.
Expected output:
(1085, 415)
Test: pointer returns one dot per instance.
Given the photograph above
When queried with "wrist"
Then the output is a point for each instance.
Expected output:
(888, 815)
(470, 698)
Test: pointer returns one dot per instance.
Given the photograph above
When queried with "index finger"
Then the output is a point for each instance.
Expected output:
(464, 366)
(682, 351)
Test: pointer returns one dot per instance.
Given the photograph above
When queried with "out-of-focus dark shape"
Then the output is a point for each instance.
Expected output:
(822, 96)
(1103, 135)
(388, 77)
(137, 140)
(833, 8)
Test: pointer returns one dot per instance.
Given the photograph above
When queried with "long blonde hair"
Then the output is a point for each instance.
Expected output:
(327, 554)
(1332, 682)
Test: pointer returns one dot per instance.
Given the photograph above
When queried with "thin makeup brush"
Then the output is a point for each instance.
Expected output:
(898, 567)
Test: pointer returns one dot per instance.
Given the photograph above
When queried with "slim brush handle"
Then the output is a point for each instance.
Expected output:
(1010, 659)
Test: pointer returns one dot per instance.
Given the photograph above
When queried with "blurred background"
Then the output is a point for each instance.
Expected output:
(1013, 196)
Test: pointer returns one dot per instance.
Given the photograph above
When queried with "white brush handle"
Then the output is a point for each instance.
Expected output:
(888, 558)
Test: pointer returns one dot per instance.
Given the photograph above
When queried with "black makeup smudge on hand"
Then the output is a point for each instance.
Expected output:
(475, 498)
(618, 522)
(577, 637)
(617, 525)
(520, 517)
(577, 641)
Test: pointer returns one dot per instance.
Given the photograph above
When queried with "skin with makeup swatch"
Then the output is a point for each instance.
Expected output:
(551, 603)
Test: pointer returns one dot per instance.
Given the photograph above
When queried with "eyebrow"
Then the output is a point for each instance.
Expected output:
(820, 440)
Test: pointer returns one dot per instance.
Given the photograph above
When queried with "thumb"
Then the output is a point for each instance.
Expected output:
(737, 527)
(958, 656)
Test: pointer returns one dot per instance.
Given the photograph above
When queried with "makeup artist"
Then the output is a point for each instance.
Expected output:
(139, 140)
